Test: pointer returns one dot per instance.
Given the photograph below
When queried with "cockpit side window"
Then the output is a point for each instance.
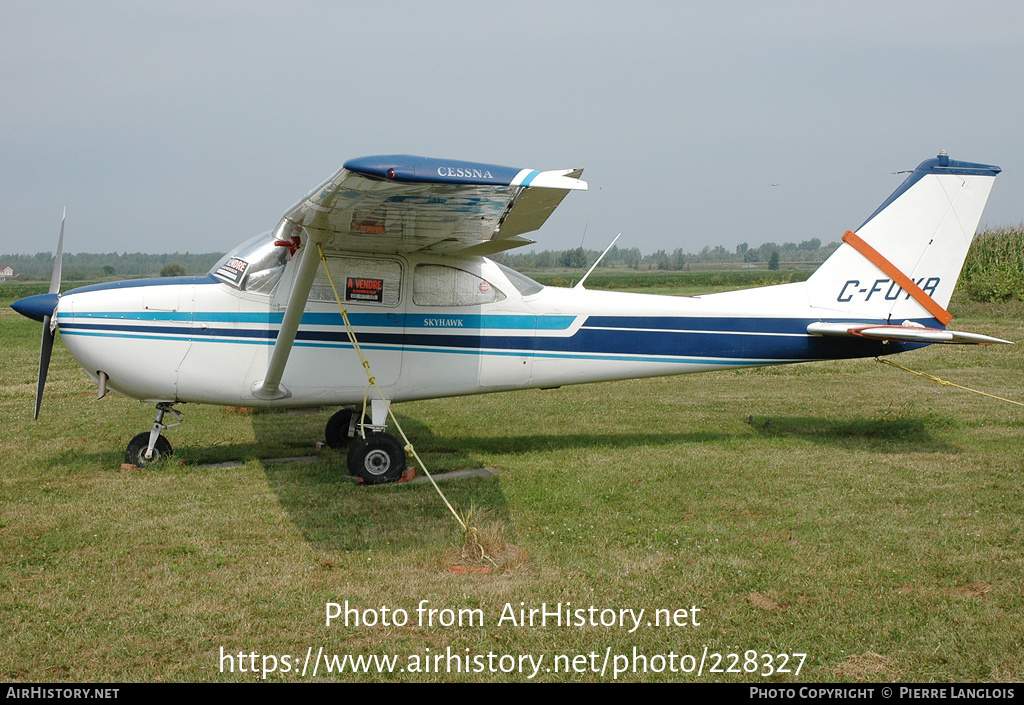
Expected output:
(440, 285)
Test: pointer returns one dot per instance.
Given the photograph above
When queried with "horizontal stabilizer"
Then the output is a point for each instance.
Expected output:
(904, 334)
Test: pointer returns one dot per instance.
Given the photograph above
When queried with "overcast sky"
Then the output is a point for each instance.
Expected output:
(190, 126)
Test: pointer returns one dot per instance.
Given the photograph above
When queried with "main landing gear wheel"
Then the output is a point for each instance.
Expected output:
(136, 452)
(340, 428)
(376, 459)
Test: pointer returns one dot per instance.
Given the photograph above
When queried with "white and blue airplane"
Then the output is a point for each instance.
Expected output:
(407, 239)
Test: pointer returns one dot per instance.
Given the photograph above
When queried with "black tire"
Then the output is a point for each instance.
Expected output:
(136, 452)
(336, 434)
(376, 459)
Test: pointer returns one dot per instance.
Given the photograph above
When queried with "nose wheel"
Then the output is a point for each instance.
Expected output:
(137, 447)
(150, 447)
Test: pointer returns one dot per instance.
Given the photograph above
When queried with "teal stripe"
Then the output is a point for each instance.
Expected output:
(222, 340)
(366, 320)
(529, 178)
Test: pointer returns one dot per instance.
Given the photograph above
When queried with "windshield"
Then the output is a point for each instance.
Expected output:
(254, 266)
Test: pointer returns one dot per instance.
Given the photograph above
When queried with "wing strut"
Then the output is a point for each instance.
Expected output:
(269, 388)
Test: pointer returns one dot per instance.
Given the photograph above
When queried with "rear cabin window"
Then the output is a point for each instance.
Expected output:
(440, 285)
(525, 285)
(359, 281)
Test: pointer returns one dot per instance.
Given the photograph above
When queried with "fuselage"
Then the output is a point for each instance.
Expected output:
(430, 327)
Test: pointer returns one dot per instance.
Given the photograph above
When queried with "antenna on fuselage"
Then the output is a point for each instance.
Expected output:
(579, 285)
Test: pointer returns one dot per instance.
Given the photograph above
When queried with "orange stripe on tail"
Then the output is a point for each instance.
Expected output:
(876, 258)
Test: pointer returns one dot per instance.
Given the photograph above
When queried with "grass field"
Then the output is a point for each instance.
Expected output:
(859, 515)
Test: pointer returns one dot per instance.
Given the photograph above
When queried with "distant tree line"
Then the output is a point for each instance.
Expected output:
(807, 251)
(994, 270)
(111, 265)
(81, 266)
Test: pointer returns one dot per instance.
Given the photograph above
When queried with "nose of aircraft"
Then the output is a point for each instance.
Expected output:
(36, 307)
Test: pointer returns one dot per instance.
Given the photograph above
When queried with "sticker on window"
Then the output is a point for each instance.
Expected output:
(358, 289)
(233, 270)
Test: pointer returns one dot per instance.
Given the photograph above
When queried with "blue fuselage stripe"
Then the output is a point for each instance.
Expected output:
(622, 338)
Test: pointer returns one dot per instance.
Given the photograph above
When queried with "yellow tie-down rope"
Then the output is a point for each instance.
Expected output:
(372, 383)
(945, 383)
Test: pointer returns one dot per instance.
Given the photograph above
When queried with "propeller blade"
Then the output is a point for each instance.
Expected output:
(55, 277)
(46, 346)
(45, 350)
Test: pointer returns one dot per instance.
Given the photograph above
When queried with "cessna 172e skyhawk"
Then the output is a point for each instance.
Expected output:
(407, 239)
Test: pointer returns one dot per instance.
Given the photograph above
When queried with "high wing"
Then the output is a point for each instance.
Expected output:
(402, 204)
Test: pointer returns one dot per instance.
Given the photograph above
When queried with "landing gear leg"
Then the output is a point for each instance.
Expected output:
(148, 448)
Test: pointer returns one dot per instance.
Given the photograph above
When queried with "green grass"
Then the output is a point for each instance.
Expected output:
(848, 511)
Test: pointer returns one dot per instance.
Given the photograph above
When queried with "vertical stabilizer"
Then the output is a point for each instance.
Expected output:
(921, 234)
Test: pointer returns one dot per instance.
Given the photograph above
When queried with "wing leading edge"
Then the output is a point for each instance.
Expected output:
(401, 204)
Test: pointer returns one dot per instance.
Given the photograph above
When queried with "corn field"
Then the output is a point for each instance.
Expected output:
(994, 269)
